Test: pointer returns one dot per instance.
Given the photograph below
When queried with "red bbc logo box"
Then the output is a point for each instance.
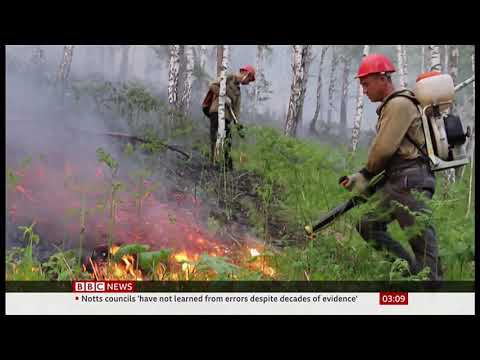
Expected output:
(393, 298)
(103, 286)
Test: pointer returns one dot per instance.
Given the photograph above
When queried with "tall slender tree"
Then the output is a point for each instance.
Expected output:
(173, 72)
(331, 87)
(319, 90)
(219, 148)
(357, 123)
(346, 60)
(401, 67)
(301, 54)
(188, 79)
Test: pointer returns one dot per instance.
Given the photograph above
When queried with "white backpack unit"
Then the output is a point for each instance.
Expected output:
(444, 133)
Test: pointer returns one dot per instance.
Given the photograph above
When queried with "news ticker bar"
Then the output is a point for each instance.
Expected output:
(257, 286)
(246, 303)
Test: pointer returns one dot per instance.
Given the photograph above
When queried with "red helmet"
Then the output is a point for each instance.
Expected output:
(374, 64)
(249, 69)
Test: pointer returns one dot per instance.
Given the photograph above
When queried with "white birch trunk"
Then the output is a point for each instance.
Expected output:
(221, 102)
(297, 89)
(259, 68)
(331, 87)
(405, 65)
(188, 79)
(357, 123)
(203, 57)
(220, 49)
(401, 67)
(422, 68)
(306, 61)
(65, 65)
(173, 71)
(319, 90)
(435, 61)
(344, 101)
(447, 55)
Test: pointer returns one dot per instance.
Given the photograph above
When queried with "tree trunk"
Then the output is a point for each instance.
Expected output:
(259, 68)
(307, 60)
(65, 65)
(173, 71)
(188, 79)
(344, 102)
(219, 148)
(203, 57)
(447, 57)
(300, 57)
(359, 111)
(401, 66)
(435, 60)
(220, 50)
(319, 90)
(331, 87)
(123, 73)
(422, 68)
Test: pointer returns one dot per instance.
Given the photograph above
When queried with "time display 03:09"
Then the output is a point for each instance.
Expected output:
(393, 298)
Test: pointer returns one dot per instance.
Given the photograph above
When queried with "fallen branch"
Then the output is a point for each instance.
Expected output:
(135, 139)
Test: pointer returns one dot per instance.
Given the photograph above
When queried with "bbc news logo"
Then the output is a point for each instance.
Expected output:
(103, 286)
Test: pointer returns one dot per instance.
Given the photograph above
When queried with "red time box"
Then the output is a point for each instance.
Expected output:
(393, 298)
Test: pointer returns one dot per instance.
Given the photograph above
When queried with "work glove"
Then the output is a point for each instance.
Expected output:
(356, 182)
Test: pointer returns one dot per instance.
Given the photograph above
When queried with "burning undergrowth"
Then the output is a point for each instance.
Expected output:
(126, 210)
(92, 208)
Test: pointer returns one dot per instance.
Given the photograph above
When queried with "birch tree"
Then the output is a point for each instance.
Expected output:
(435, 60)
(402, 66)
(307, 60)
(220, 58)
(300, 61)
(331, 87)
(188, 79)
(319, 90)
(203, 57)
(65, 64)
(346, 60)
(423, 62)
(173, 72)
(64, 71)
(259, 69)
(219, 148)
(359, 110)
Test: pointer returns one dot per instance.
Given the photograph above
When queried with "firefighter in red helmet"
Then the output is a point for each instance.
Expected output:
(398, 149)
(245, 75)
